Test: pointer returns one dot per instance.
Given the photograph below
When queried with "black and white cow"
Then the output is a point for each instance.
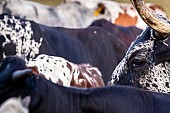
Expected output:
(91, 45)
(147, 62)
(47, 97)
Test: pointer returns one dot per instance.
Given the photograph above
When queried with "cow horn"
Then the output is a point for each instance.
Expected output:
(160, 24)
(20, 74)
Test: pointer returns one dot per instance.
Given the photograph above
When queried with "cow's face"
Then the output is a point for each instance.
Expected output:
(8, 66)
(146, 65)
(16, 38)
(13, 71)
(147, 61)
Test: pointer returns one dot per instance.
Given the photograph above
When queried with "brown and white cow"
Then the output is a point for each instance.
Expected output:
(121, 13)
(66, 73)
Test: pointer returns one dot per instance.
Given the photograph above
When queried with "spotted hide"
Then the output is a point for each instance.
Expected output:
(121, 13)
(92, 45)
(63, 72)
(47, 97)
(69, 15)
(146, 64)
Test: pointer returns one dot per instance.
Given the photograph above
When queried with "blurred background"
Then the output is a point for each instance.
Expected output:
(164, 3)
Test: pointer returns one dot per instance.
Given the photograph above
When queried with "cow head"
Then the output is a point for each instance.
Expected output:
(12, 69)
(13, 72)
(147, 61)
(17, 38)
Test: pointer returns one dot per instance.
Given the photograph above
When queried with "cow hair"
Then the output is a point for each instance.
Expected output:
(145, 65)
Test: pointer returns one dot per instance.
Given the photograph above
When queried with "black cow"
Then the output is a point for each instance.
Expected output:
(147, 61)
(47, 97)
(126, 34)
(91, 45)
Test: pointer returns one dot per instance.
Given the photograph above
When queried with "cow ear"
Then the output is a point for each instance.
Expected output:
(26, 101)
(21, 74)
(162, 52)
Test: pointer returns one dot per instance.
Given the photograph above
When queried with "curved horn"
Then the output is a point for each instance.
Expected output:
(19, 74)
(160, 24)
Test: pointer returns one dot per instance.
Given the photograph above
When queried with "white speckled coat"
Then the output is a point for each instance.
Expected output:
(61, 71)
(145, 65)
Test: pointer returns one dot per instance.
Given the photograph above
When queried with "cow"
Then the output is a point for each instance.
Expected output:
(69, 15)
(92, 45)
(146, 63)
(15, 105)
(121, 13)
(63, 72)
(46, 97)
(78, 13)
(125, 34)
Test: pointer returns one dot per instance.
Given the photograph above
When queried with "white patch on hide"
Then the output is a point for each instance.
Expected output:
(20, 35)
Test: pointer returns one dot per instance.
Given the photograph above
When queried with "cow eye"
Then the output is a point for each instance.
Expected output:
(137, 63)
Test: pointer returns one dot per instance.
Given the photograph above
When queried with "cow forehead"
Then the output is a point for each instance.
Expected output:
(148, 44)
(20, 33)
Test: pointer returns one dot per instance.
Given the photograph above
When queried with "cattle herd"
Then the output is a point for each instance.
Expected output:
(84, 56)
